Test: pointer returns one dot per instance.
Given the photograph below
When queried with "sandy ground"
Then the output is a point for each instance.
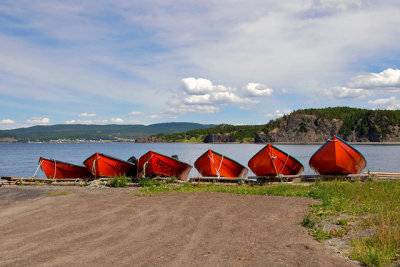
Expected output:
(105, 227)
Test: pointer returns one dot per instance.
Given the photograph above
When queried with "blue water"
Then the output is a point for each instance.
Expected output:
(20, 159)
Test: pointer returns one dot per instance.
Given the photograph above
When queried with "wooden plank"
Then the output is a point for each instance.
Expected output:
(7, 183)
(384, 173)
(216, 179)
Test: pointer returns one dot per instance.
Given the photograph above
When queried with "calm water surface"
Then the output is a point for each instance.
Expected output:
(21, 159)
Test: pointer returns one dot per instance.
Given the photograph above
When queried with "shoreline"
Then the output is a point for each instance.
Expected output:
(226, 143)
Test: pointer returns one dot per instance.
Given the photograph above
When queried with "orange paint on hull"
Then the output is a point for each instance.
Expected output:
(271, 161)
(56, 169)
(337, 157)
(153, 163)
(213, 164)
(101, 165)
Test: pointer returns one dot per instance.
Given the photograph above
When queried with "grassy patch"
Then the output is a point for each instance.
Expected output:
(320, 234)
(120, 181)
(148, 182)
(375, 205)
(56, 193)
(275, 190)
(308, 222)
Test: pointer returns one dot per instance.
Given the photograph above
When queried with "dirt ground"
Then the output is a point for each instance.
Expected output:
(106, 226)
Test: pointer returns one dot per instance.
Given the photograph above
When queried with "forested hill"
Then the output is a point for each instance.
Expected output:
(95, 132)
(305, 126)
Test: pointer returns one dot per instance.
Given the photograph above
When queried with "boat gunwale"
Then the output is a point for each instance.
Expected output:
(110, 157)
(151, 151)
(62, 162)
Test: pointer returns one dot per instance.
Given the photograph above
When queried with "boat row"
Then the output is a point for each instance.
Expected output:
(335, 157)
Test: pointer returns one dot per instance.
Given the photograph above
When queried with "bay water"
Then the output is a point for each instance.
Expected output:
(21, 159)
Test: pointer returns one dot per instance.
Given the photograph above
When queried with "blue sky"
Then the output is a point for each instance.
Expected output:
(238, 62)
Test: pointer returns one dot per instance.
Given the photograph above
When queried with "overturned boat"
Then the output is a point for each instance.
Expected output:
(271, 161)
(337, 156)
(56, 169)
(156, 164)
(213, 164)
(102, 165)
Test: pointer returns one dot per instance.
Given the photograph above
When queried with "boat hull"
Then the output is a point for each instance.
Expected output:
(271, 161)
(56, 169)
(337, 157)
(213, 164)
(101, 165)
(156, 164)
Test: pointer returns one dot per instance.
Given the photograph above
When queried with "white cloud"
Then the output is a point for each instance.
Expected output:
(197, 86)
(336, 5)
(178, 109)
(203, 91)
(70, 122)
(162, 115)
(386, 103)
(154, 116)
(344, 92)
(88, 114)
(198, 99)
(227, 97)
(201, 86)
(117, 120)
(277, 113)
(257, 89)
(387, 78)
(185, 109)
(7, 121)
(136, 113)
(284, 91)
(104, 121)
(37, 120)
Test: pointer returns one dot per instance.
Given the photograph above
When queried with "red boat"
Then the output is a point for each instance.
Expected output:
(213, 164)
(271, 161)
(101, 165)
(56, 169)
(336, 156)
(153, 164)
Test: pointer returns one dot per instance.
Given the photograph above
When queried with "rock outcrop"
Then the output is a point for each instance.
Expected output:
(301, 129)
(218, 138)
(306, 129)
(149, 139)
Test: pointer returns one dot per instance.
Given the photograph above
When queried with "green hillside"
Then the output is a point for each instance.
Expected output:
(238, 133)
(98, 132)
(7, 138)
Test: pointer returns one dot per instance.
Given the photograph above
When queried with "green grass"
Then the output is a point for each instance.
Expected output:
(56, 193)
(375, 205)
(308, 222)
(148, 182)
(120, 181)
(320, 234)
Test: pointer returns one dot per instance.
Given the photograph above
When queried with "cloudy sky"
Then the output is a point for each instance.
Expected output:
(238, 62)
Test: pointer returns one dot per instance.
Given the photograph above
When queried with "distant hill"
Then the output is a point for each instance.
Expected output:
(7, 137)
(97, 132)
(305, 126)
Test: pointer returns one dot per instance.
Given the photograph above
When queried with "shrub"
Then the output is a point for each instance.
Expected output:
(307, 222)
(120, 181)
